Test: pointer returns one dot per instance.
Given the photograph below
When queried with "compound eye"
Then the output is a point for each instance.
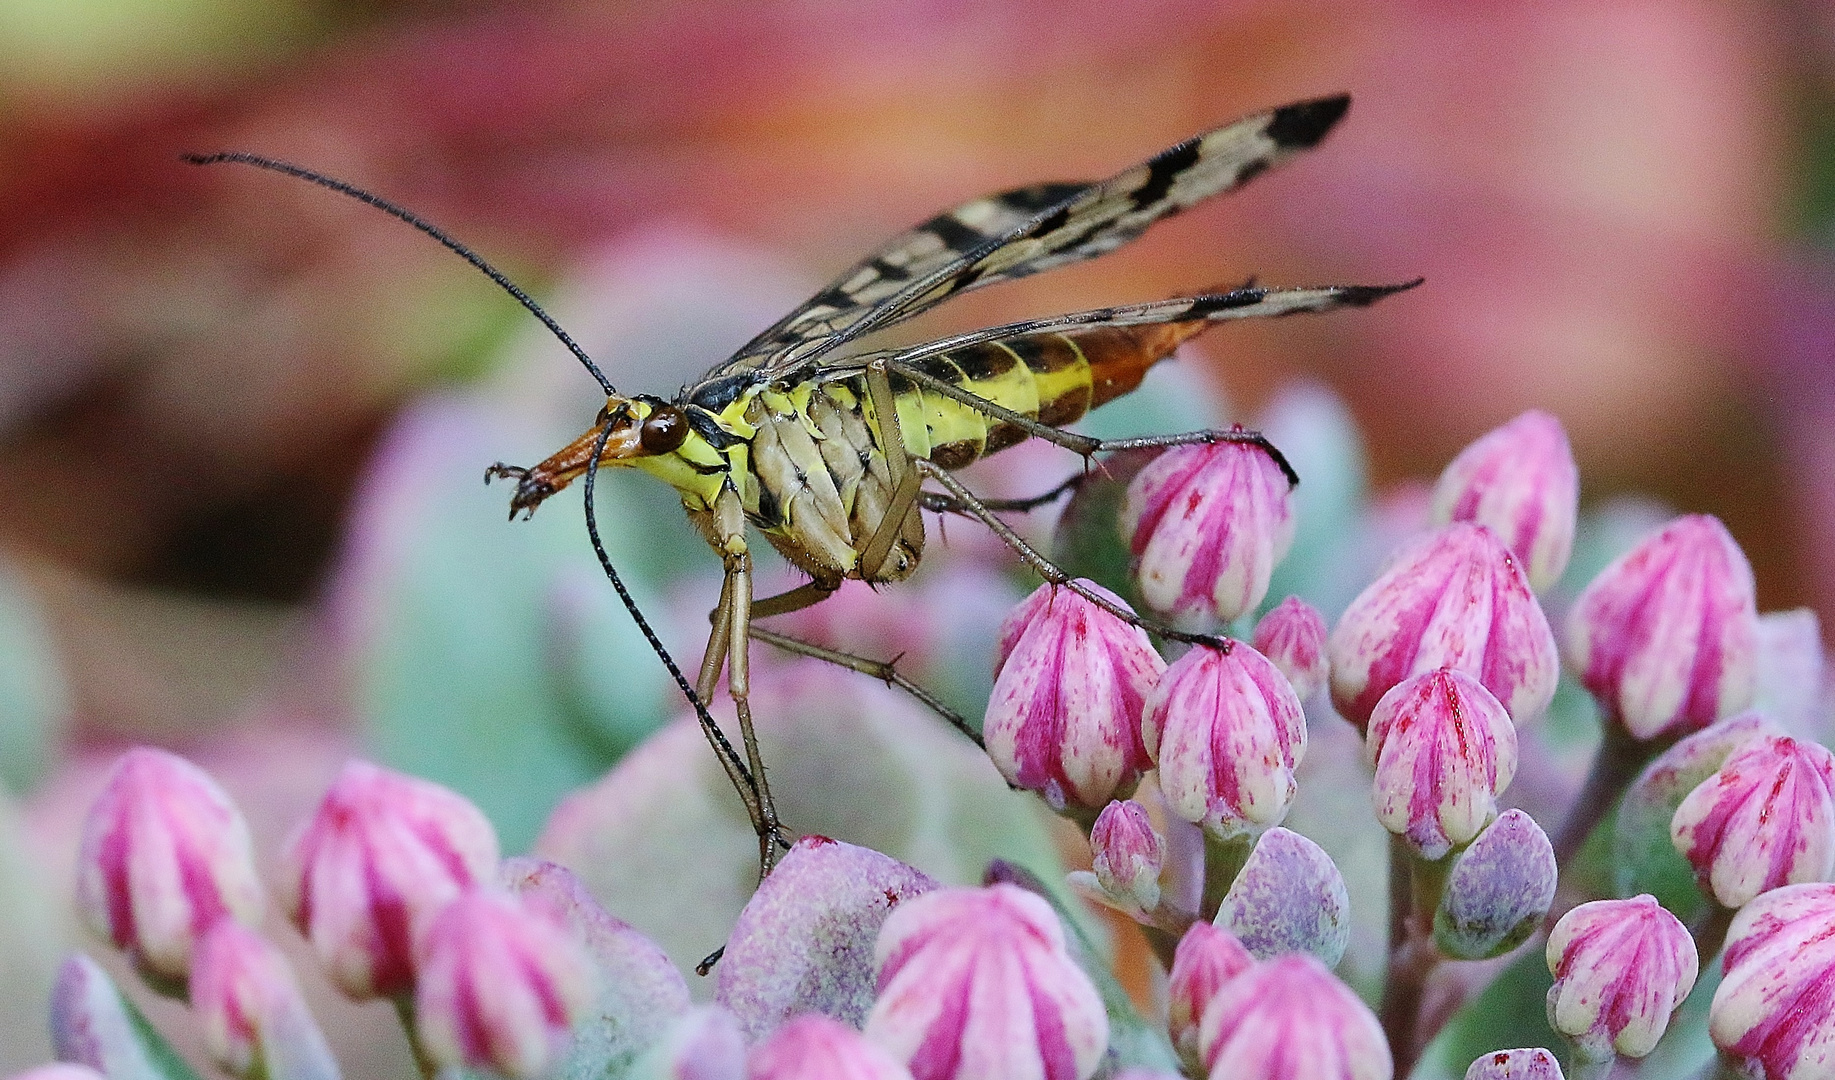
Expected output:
(664, 430)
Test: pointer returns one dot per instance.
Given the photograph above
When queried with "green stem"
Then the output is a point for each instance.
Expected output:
(1223, 860)
(1711, 933)
(404, 1009)
(1587, 1067)
(1619, 760)
(1415, 885)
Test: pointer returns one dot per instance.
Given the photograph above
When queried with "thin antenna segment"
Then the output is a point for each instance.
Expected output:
(380, 203)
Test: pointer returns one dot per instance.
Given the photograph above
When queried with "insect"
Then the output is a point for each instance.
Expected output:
(825, 448)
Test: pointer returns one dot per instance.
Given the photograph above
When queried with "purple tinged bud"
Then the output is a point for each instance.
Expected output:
(1292, 636)
(1207, 957)
(1498, 891)
(814, 1047)
(256, 1024)
(1289, 897)
(1534, 1063)
(1065, 715)
(977, 984)
(1520, 482)
(1127, 854)
(1456, 598)
(60, 1071)
(1766, 819)
(1443, 749)
(1776, 1005)
(1666, 637)
(1291, 1019)
(1206, 525)
(383, 854)
(703, 1044)
(1621, 967)
(94, 1026)
(1228, 734)
(165, 855)
(500, 986)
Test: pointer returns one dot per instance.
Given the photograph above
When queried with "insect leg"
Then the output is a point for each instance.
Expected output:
(734, 629)
(805, 595)
(939, 503)
(885, 671)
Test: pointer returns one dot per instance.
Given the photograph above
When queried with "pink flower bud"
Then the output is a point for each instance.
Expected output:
(383, 854)
(1443, 749)
(1666, 638)
(1454, 598)
(500, 986)
(1065, 715)
(1127, 854)
(255, 1022)
(702, 1044)
(94, 1026)
(1519, 481)
(977, 984)
(1290, 1017)
(1292, 636)
(1531, 1064)
(1207, 957)
(1621, 967)
(813, 1047)
(1776, 1005)
(1766, 819)
(1206, 525)
(165, 855)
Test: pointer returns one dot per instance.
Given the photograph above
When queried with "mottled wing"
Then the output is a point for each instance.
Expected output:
(942, 241)
(1085, 221)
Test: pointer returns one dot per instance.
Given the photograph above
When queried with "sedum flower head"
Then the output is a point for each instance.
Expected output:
(1621, 967)
(1776, 1005)
(1443, 749)
(1290, 1017)
(1065, 715)
(1766, 819)
(977, 984)
(1207, 524)
(1292, 635)
(1227, 734)
(1666, 637)
(1453, 598)
(1520, 481)
(165, 856)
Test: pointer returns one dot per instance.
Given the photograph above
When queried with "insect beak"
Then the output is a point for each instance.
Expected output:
(565, 465)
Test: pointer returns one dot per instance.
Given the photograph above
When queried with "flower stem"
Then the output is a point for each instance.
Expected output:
(404, 1009)
(1414, 891)
(1585, 1066)
(1223, 860)
(1617, 763)
(1711, 933)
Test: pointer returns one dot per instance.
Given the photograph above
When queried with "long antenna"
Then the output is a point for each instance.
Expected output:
(380, 203)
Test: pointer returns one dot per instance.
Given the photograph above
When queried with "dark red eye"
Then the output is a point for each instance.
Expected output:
(663, 430)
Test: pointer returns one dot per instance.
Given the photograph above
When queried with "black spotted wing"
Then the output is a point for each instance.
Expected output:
(1022, 232)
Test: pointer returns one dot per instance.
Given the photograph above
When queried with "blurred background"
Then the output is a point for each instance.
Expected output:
(243, 421)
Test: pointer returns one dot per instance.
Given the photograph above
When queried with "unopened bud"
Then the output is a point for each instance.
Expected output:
(702, 1044)
(1207, 524)
(1530, 1064)
(1207, 957)
(1291, 1017)
(1292, 636)
(1774, 1008)
(1666, 637)
(1621, 967)
(813, 1047)
(383, 854)
(59, 1071)
(1227, 733)
(500, 986)
(256, 1024)
(1454, 598)
(94, 1026)
(1443, 749)
(1498, 891)
(1127, 855)
(165, 855)
(1518, 480)
(1065, 715)
(1289, 897)
(978, 983)
(1766, 819)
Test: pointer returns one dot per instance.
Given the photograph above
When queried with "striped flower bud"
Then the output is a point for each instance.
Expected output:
(1207, 957)
(165, 855)
(382, 855)
(1290, 1017)
(1443, 749)
(1227, 733)
(1519, 481)
(500, 986)
(1498, 891)
(93, 1025)
(1454, 598)
(977, 984)
(256, 1024)
(1206, 525)
(1534, 1063)
(1127, 855)
(1292, 636)
(1774, 1007)
(813, 1047)
(1666, 637)
(1064, 719)
(1621, 967)
(1766, 819)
